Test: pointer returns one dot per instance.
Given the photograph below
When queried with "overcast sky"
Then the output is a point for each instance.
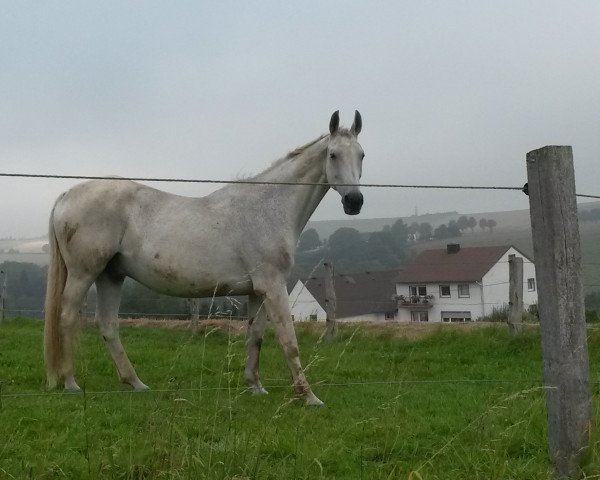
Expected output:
(451, 92)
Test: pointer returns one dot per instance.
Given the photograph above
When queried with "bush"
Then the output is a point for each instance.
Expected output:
(591, 316)
(533, 311)
(499, 314)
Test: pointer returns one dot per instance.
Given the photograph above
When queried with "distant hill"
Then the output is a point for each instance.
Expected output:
(514, 218)
(513, 228)
(326, 227)
(505, 219)
(40, 259)
(26, 250)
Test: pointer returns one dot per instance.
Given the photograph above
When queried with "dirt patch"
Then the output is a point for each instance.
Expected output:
(230, 326)
(408, 331)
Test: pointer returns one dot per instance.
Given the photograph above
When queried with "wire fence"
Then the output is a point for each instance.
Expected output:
(262, 182)
(251, 181)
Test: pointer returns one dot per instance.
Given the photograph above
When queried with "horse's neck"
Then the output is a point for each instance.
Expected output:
(299, 202)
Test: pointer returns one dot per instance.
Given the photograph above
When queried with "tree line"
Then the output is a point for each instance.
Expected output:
(454, 228)
(352, 251)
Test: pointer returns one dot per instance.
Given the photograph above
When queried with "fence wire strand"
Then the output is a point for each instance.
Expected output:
(250, 182)
(261, 182)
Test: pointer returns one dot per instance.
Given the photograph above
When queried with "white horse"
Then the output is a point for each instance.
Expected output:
(239, 240)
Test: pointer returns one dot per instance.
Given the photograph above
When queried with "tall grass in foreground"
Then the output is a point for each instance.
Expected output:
(453, 404)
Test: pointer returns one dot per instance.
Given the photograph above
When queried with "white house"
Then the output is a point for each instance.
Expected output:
(367, 296)
(460, 284)
(303, 305)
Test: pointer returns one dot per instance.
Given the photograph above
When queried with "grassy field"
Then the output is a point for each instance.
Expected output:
(440, 402)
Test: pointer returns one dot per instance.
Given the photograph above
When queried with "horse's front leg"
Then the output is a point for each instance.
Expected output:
(278, 310)
(257, 320)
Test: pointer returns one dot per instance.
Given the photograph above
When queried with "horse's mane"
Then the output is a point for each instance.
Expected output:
(294, 153)
(300, 150)
(344, 132)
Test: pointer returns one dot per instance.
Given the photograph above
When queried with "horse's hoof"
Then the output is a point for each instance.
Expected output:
(139, 386)
(72, 386)
(313, 401)
(258, 391)
(51, 383)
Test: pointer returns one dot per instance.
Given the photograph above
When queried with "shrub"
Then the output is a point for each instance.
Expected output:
(499, 314)
(591, 316)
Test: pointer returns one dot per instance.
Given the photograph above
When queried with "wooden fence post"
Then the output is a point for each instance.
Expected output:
(330, 301)
(515, 294)
(557, 253)
(194, 306)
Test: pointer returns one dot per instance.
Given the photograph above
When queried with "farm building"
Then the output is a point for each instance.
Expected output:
(445, 285)
(367, 296)
(459, 284)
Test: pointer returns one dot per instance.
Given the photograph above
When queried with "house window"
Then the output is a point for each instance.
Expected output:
(313, 317)
(456, 317)
(390, 315)
(463, 290)
(531, 284)
(418, 290)
(419, 316)
(445, 291)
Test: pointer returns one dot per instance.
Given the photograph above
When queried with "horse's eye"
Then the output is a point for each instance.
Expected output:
(332, 156)
(362, 156)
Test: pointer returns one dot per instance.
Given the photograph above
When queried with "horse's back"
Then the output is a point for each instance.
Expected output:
(173, 244)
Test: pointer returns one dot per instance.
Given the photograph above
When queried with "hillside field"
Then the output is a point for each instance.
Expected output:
(403, 402)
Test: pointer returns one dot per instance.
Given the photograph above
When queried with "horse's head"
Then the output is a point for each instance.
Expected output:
(344, 162)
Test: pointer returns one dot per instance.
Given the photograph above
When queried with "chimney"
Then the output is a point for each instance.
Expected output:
(452, 248)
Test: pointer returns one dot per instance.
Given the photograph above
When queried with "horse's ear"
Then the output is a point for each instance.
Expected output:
(357, 124)
(334, 123)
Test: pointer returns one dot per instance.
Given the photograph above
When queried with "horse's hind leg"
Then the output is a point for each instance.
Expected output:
(257, 320)
(107, 317)
(72, 299)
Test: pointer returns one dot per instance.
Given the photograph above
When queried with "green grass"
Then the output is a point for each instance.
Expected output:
(429, 421)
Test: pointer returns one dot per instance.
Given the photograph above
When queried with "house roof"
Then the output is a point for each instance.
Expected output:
(357, 293)
(469, 264)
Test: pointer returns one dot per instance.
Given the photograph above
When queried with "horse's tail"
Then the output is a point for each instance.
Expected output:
(57, 277)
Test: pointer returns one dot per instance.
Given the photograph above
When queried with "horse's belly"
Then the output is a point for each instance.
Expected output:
(191, 279)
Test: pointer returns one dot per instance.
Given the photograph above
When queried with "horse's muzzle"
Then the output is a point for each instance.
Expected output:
(352, 203)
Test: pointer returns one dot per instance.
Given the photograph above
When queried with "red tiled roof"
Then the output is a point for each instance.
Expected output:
(358, 293)
(467, 265)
